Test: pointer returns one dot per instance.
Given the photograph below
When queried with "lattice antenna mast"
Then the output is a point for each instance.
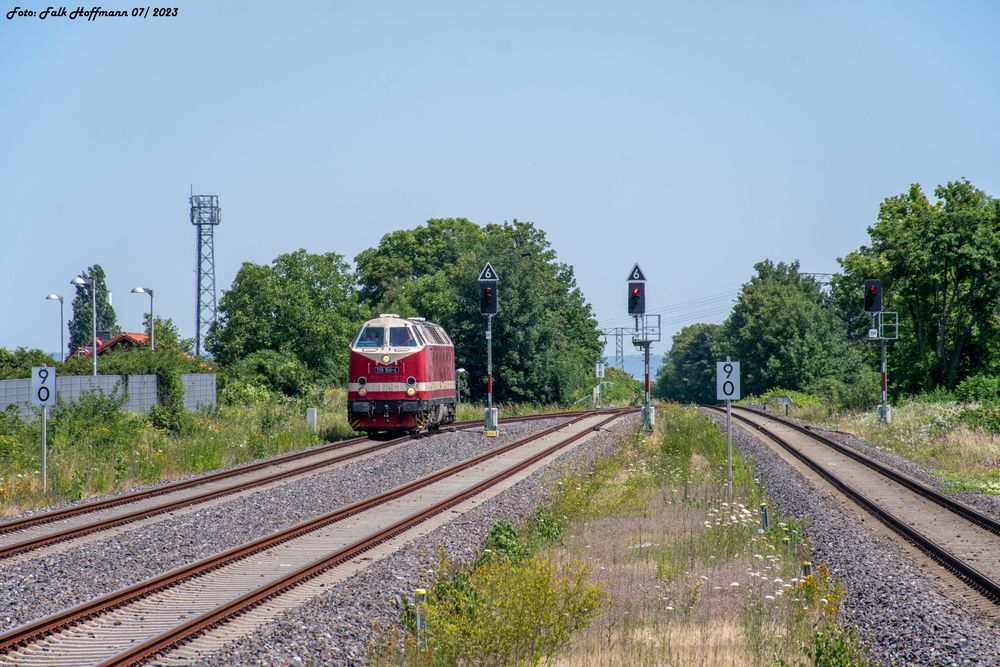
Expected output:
(205, 215)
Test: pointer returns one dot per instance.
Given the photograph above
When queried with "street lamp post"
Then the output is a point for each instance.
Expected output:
(62, 326)
(152, 322)
(79, 282)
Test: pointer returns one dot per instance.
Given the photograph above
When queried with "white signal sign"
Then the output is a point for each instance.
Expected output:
(727, 381)
(43, 385)
(488, 273)
(636, 273)
(600, 370)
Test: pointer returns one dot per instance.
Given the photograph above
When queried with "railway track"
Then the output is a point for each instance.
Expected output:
(40, 530)
(958, 537)
(144, 620)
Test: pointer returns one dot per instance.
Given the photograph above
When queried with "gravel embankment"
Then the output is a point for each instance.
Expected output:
(336, 628)
(33, 588)
(902, 614)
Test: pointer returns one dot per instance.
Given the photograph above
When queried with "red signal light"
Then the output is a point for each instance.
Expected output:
(635, 291)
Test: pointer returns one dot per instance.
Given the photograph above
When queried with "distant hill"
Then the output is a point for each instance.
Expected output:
(633, 364)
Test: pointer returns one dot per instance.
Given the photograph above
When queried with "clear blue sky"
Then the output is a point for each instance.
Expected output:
(694, 138)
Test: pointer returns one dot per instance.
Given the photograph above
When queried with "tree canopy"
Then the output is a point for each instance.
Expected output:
(302, 304)
(938, 263)
(18, 363)
(687, 374)
(545, 337)
(81, 323)
(786, 332)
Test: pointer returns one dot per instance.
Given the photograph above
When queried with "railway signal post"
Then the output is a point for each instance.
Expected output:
(885, 327)
(488, 306)
(647, 332)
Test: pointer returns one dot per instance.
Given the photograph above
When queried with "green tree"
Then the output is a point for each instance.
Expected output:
(545, 338)
(786, 332)
(18, 364)
(938, 263)
(304, 304)
(81, 324)
(687, 375)
(168, 335)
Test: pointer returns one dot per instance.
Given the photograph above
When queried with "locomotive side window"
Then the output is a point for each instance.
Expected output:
(401, 337)
(372, 337)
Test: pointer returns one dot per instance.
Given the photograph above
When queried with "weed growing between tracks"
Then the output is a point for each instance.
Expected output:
(686, 575)
(96, 446)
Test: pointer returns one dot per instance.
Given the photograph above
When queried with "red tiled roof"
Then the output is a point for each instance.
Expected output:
(127, 337)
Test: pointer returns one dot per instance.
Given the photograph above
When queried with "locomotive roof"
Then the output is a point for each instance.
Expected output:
(432, 334)
(387, 320)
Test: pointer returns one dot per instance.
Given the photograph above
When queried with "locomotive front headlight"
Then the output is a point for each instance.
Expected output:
(410, 391)
(386, 358)
(362, 391)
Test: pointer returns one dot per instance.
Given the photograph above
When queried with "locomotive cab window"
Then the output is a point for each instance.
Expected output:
(371, 337)
(401, 337)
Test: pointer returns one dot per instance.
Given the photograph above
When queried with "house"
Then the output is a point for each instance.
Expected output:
(126, 339)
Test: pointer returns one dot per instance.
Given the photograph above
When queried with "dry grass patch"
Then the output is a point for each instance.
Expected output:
(935, 436)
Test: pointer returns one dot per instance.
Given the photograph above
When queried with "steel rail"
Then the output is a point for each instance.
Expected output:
(44, 626)
(973, 516)
(138, 496)
(188, 630)
(970, 575)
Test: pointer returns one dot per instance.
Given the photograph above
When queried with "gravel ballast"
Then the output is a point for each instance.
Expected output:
(336, 628)
(903, 616)
(35, 587)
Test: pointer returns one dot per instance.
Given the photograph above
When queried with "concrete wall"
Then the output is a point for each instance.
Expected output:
(141, 390)
(199, 391)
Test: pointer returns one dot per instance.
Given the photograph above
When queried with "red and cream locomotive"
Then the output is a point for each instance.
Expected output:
(401, 376)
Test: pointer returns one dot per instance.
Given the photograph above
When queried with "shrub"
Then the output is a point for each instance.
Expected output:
(979, 388)
(985, 417)
(234, 391)
(862, 394)
(508, 612)
(277, 371)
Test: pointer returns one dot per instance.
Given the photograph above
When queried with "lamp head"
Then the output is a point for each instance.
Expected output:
(54, 297)
(78, 281)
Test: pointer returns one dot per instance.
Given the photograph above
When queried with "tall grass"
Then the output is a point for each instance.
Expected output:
(97, 447)
(646, 560)
(954, 440)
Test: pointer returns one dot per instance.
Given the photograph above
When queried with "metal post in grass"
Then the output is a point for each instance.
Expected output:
(420, 597)
(727, 388)
(312, 419)
(763, 516)
(43, 394)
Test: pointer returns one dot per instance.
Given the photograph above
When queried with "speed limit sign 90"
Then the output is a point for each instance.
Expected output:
(727, 380)
(43, 385)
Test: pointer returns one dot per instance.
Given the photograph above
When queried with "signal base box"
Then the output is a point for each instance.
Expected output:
(883, 413)
(492, 422)
(649, 418)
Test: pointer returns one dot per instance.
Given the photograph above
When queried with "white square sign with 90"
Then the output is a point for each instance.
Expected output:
(727, 380)
(43, 385)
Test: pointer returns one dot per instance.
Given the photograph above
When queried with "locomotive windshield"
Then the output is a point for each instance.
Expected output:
(401, 337)
(371, 337)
